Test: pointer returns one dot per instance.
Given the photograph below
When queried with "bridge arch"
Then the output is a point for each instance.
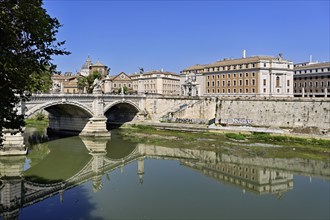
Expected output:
(121, 111)
(49, 105)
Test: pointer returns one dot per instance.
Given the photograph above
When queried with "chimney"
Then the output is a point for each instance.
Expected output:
(244, 53)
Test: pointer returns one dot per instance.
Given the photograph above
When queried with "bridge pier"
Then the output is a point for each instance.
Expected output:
(13, 143)
(11, 186)
(96, 127)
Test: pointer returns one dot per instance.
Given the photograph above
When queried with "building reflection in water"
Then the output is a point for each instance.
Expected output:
(255, 179)
(17, 192)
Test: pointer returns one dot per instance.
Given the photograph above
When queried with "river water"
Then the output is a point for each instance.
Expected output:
(80, 178)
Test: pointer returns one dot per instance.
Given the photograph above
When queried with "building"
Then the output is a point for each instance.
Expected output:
(312, 79)
(156, 82)
(84, 71)
(247, 76)
(114, 84)
(65, 83)
(99, 67)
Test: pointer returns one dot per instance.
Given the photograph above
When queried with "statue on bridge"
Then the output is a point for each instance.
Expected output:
(97, 86)
(56, 87)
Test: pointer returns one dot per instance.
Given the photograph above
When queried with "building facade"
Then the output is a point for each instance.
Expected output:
(251, 76)
(312, 79)
(116, 84)
(156, 82)
(65, 83)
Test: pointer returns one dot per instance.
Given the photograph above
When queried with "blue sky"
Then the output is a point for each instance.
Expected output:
(126, 35)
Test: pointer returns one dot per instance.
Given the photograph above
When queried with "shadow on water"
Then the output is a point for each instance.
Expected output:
(33, 136)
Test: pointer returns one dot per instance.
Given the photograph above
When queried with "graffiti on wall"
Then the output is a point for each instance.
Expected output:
(236, 121)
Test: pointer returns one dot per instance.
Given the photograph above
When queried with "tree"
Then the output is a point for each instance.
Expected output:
(41, 82)
(27, 42)
(87, 81)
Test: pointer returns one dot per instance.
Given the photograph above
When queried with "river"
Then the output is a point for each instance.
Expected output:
(115, 178)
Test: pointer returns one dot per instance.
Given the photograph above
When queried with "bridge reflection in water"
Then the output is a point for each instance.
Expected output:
(20, 188)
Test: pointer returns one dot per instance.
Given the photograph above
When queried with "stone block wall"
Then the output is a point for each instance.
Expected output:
(279, 113)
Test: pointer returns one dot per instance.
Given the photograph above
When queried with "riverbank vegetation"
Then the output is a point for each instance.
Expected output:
(245, 145)
(39, 121)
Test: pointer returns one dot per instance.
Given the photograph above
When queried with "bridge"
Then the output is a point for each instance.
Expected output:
(89, 114)
(260, 176)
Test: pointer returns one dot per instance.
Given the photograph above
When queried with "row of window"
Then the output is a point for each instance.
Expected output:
(120, 85)
(310, 84)
(234, 75)
(312, 71)
(247, 90)
(311, 91)
(312, 77)
(231, 67)
(240, 83)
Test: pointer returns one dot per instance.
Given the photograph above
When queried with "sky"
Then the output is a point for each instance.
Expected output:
(173, 35)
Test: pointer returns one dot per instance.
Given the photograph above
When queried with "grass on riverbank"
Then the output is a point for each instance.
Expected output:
(32, 122)
(256, 144)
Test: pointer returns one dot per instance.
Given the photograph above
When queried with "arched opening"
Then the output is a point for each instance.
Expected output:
(277, 81)
(63, 120)
(119, 114)
(67, 118)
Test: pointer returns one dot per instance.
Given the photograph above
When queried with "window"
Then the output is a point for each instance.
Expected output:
(223, 82)
(264, 90)
(316, 84)
(213, 83)
(253, 74)
(228, 90)
(288, 82)
(234, 82)
(246, 90)
(253, 82)
(264, 82)
(247, 82)
(253, 90)
(240, 75)
(277, 81)
(129, 85)
(234, 90)
(240, 82)
(246, 74)
(264, 64)
(228, 84)
(114, 85)
(208, 84)
(218, 83)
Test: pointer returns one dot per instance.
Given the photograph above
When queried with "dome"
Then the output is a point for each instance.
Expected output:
(87, 64)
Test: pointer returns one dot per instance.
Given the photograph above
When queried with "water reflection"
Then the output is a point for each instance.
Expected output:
(73, 161)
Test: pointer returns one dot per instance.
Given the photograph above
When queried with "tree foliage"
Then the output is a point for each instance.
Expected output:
(27, 42)
(87, 81)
